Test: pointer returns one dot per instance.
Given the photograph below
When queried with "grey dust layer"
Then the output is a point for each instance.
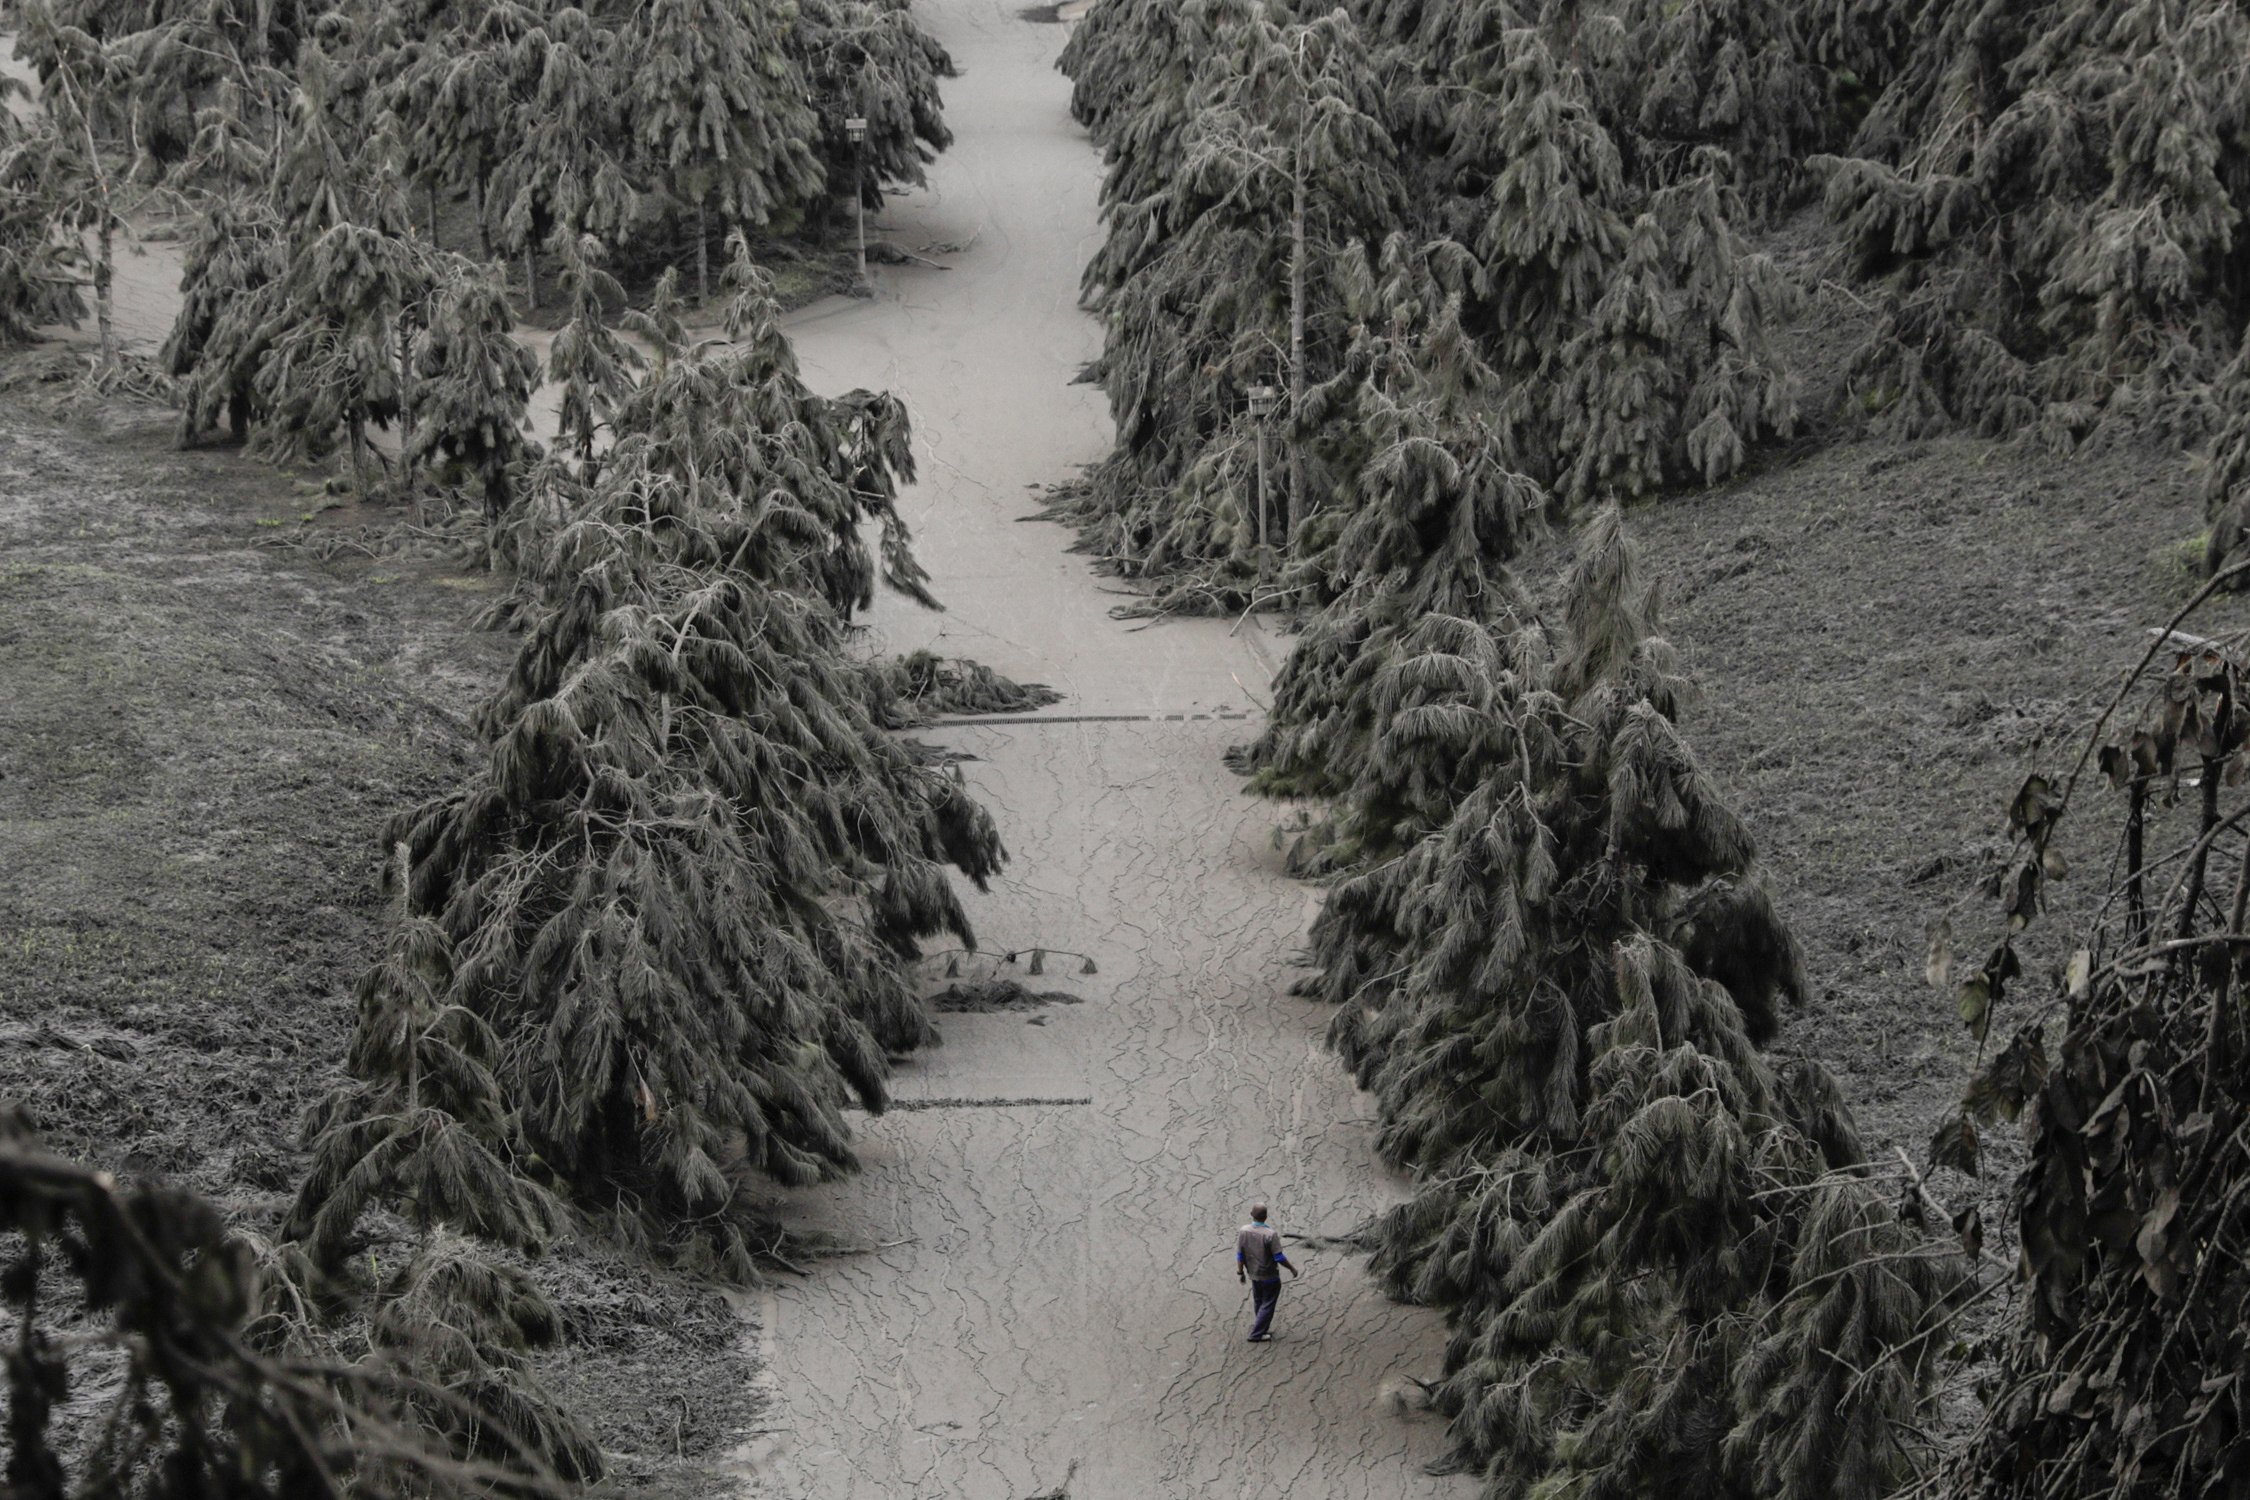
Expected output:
(1057, 1296)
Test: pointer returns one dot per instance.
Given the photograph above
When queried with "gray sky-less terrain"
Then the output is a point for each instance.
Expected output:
(1059, 1285)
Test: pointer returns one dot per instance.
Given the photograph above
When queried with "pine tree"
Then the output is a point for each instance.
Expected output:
(570, 169)
(672, 910)
(81, 185)
(465, 92)
(1613, 296)
(870, 59)
(2046, 195)
(351, 291)
(1210, 282)
(40, 277)
(473, 386)
(231, 286)
(718, 112)
(1743, 77)
(1435, 514)
(592, 365)
(1656, 1248)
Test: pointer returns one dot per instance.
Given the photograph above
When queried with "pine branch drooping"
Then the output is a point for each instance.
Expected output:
(175, 1309)
(1664, 1264)
(665, 928)
(1594, 243)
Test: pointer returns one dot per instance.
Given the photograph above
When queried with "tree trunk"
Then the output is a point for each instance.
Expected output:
(530, 277)
(702, 256)
(431, 192)
(476, 207)
(1262, 539)
(1296, 350)
(358, 427)
(2136, 918)
(406, 420)
(2215, 1034)
(2196, 867)
(104, 265)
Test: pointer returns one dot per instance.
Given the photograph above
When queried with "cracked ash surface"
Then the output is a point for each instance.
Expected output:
(1055, 1302)
(1065, 1290)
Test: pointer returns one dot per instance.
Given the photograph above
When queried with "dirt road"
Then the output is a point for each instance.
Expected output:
(1056, 1296)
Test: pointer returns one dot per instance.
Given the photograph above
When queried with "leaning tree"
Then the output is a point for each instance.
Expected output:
(666, 926)
(1665, 1260)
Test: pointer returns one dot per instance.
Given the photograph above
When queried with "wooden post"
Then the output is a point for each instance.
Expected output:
(1262, 482)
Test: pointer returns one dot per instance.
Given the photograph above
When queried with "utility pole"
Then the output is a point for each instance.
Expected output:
(856, 128)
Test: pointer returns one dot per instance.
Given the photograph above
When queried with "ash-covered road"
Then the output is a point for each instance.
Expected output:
(1057, 1297)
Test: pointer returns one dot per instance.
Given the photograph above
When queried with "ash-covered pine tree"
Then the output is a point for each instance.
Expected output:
(679, 898)
(1211, 283)
(472, 386)
(593, 367)
(80, 178)
(299, 312)
(351, 295)
(718, 113)
(872, 60)
(1745, 77)
(1665, 1267)
(1436, 510)
(40, 264)
(2047, 197)
(464, 88)
(1614, 298)
(230, 291)
(570, 170)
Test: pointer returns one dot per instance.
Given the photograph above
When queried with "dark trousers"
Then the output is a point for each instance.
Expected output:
(1262, 1297)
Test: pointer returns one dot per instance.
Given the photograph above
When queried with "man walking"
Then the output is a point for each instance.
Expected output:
(1258, 1260)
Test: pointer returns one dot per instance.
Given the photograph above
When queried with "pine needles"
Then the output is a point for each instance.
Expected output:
(1553, 959)
(1583, 229)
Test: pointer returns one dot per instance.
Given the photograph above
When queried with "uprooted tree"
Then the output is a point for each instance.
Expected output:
(1667, 1265)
